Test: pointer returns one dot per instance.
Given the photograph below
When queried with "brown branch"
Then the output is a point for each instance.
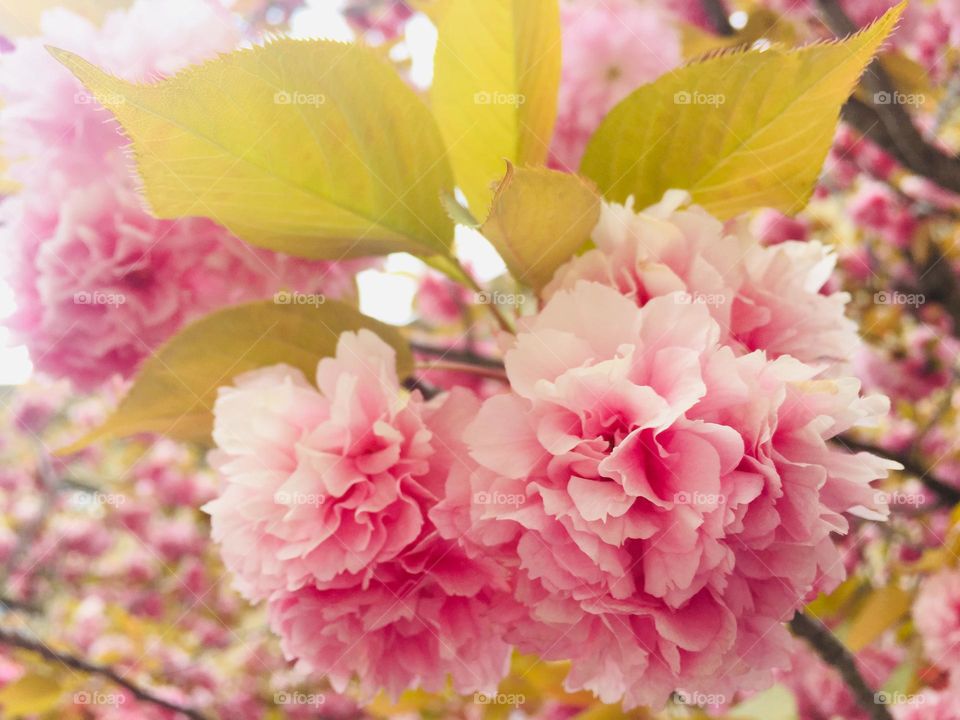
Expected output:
(833, 652)
(464, 356)
(716, 13)
(15, 639)
(453, 366)
(426, 389)
(885, 121)
(12, 604)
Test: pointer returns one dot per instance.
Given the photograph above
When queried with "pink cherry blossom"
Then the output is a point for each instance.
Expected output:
(820, 691)
(440, 301)
(876, 207)
(924, 366)
(666, 502)
(936, 614)
(610, 48)
(324, 484)
(764, 298)
(99, 282)
(690, 11)
(379, 20)
(773, 227)
(326, 513)
(928, 704)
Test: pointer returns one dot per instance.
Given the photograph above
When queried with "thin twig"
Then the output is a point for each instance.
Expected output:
(498, 315)
(833, 652)
(15, 639)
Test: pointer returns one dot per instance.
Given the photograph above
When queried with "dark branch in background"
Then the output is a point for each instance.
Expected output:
(8, 604)
(716, 13)
(833, 652)
(426, 389)
(937, 282)
(464, 356)
(887, 122)
(15, 639)
(946, 492)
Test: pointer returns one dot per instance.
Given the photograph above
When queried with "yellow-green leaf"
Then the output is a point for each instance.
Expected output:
(31, 694)
(881, 611)
(739, 131)
(827, 606)
(315, 148)
(776, 703)
(539, 218)
(494, 94)
(175, 389)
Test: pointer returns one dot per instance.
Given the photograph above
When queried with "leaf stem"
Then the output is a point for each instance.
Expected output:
(498, 315)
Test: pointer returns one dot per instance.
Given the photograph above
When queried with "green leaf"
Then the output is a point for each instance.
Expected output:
(457, 212)
(31, 694)
(880, 612)
(494, 94)
(775, 703)
(175, 389)
(538, 220)
(739, 131)
(314, 148)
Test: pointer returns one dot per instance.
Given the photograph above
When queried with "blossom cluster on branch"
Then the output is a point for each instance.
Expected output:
(689, 447)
